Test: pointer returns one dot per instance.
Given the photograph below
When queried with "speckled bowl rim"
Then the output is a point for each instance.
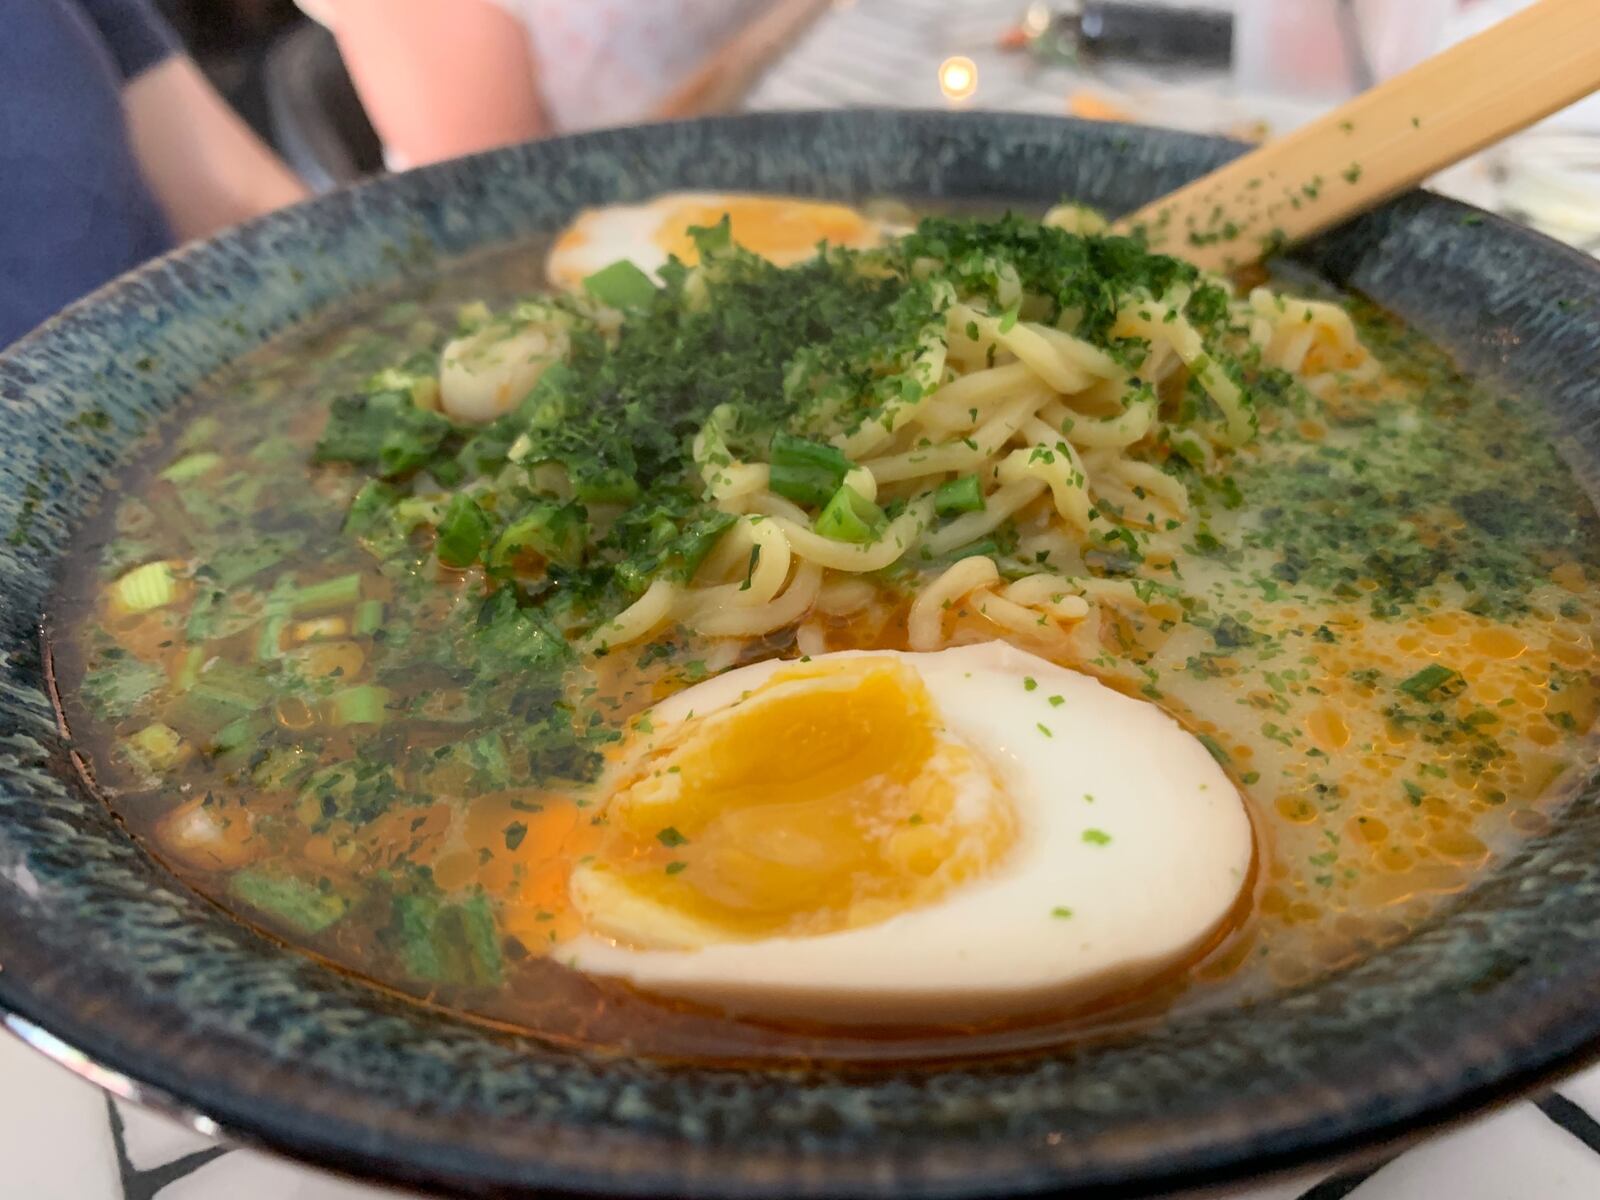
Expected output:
(99, 949)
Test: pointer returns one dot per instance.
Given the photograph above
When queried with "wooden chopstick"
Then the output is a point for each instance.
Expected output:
(732, 70)
(1383, 141)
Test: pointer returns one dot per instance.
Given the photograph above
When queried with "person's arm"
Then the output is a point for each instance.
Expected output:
(204, 166)
(207, 168)
(438, 78)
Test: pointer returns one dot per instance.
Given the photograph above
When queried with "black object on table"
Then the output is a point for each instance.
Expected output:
(1105, 30)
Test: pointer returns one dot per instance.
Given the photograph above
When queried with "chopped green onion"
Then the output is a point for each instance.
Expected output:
(1215, 747)
(191, 466)
(545, 405)
(422, 389)
(804, 471)
(222, 693)
(709, 240)
(368, 617)
(621, 285)
(303, 905)
(463, 530)
(557, 532)
(604, 486)
(363, 705)
(339, 592)
(156, 747)
(148, 587)
(372, 511)
(850, 517)
(984, 547)
(473, 314)
(269, 644)
(230, 683)
(454, 942)
(236, 734)
(190, 671)
(958, 496)
(1428, 680)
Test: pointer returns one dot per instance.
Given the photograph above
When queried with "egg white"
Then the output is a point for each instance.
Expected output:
(628, 231)
(1179, 852)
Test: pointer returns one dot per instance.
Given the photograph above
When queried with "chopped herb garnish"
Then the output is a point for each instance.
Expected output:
(958, 496)
(621, 285)
(849, 517)
(1429, 680)
(805, 471)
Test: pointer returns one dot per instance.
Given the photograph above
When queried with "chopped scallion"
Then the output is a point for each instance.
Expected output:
(621, 285)
(148, 587)
(269, 644)
(368, 617)
(463, 530)
(191, 466)
(339, 592)
(190, 670)
(850, 517)
(157, 747)
(804, 471)
(556, 532)
(236, 734)
(363, 705)
(303, 905)
(958, 496)
(1428, 680)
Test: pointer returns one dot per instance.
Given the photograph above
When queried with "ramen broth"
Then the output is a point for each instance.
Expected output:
(1387, 642)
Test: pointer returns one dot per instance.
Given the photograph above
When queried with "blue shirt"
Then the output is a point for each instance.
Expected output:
(74, 209)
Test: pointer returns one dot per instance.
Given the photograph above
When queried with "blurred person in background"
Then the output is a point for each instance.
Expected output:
(113, 148)
(441, 78)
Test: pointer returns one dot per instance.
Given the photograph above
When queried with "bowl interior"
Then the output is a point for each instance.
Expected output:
(105, 951)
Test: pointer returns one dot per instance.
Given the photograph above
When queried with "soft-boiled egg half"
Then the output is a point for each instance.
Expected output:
(883, 837)
(783, 229)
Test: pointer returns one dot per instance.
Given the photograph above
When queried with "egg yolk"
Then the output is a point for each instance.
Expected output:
(828, 798)
(781, 230)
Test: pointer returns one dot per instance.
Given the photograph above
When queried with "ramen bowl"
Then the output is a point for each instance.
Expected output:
(111, 965)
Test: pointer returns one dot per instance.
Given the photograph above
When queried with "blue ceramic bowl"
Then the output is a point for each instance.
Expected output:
(107, 959)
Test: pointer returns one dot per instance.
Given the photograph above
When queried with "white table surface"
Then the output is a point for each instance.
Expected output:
(62, 1138)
